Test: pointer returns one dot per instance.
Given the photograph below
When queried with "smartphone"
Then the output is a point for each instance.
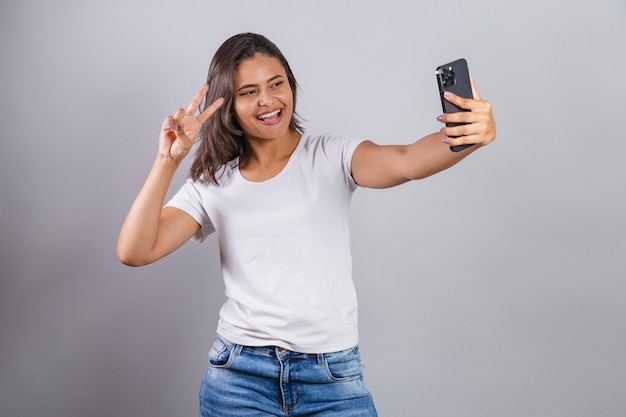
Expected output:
(454, 77)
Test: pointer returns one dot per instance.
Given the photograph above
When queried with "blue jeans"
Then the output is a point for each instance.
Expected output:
(271, 381)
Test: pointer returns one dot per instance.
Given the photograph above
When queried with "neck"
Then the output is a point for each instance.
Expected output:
(264, 152)
(265, 158)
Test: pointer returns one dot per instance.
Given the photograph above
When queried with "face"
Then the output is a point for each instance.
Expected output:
(263, 100)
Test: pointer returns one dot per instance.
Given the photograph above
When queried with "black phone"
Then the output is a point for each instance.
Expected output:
(454, 77)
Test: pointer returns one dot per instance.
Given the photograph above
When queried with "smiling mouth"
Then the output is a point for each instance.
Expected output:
(268, 115)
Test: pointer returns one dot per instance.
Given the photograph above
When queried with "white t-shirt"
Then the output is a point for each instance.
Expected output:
(285, 248)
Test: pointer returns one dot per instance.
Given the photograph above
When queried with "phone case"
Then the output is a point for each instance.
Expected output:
(454, 77)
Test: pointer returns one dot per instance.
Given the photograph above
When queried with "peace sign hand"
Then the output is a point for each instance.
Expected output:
(178, 132)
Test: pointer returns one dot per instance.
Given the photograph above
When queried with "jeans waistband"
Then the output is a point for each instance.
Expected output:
(273, 351)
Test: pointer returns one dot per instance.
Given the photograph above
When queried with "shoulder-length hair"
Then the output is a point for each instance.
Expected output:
(221, 139)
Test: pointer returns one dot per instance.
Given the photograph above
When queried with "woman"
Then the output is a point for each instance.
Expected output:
(279, 201)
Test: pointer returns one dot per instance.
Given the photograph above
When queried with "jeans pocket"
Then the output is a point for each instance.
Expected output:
(344, 365)
(220, 354)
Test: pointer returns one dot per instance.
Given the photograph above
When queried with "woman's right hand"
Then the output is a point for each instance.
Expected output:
(178, 132)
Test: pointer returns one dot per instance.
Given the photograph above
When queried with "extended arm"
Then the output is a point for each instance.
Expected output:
(383, 166)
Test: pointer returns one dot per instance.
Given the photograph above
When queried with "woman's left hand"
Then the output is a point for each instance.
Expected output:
(480, 127)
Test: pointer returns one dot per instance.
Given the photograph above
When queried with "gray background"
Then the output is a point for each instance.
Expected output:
(495, 288)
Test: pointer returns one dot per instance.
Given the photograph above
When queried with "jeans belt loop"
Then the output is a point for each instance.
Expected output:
(237, 349)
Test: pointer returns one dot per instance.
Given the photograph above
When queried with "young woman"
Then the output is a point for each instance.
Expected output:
(278, 200)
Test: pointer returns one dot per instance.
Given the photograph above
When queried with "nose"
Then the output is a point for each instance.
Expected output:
(265, 98)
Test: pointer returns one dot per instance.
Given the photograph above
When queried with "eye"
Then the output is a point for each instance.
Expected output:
(277, 84)
(246, 93)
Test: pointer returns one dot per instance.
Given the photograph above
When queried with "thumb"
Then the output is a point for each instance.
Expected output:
(474, 90)
(182, 144)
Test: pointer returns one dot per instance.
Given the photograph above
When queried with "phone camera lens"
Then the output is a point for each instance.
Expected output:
(448, 77)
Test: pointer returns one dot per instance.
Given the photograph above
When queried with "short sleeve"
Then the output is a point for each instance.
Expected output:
(340, 150)
(349, 147)
(189, 199)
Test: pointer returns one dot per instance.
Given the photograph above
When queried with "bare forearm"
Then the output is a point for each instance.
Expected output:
(429, 156)
(140, 229)
(151, 231)
(376, 166)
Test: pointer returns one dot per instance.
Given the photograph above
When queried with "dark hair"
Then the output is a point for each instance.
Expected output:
(221, 139)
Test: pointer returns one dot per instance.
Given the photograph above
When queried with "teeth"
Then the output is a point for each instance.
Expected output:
(266, 115)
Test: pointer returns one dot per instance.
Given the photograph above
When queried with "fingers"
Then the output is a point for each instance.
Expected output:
(179, 128)
(483, 132)
(169, 124)
(206, 113)
(461, 102)
(474, 126)
(174, 123)
(463, 140)
(464, 103)
(462, 131)
(178, 116)
(197, 100)
(479, 114)
(194, 105)
(181, 144)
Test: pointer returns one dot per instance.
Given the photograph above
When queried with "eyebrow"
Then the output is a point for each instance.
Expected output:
(243, 87)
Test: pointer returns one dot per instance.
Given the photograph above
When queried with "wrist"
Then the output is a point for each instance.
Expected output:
(167, 163)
